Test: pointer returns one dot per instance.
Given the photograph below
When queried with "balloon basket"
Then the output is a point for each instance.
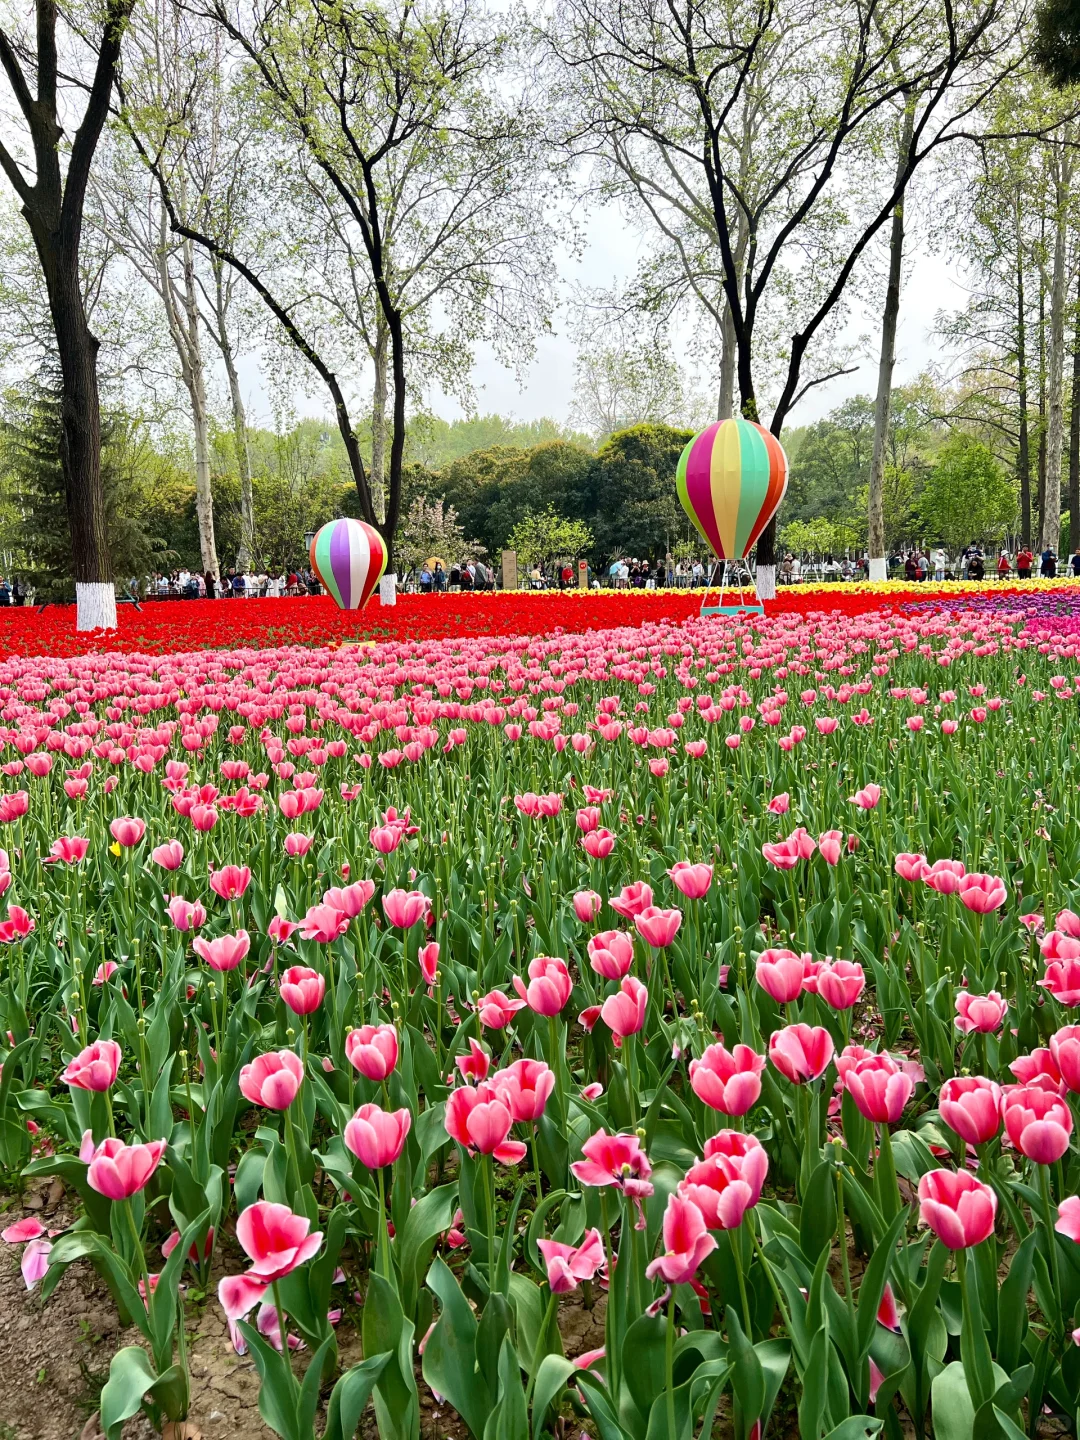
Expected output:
(736, 580)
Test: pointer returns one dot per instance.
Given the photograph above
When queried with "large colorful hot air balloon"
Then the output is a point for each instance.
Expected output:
(731, 479)
(349, 558)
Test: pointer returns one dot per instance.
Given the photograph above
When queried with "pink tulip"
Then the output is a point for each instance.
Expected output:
(224, 953)
(611, 953)
(780, 974)
(302, 989)
(632, 899)
(728, 1082)
(479, 1120)
(372, 1050)
(982, 893)
(569, 1264)
(612, 1160)
(524, 1087)
(783, 855)
(728, 1181)
(324, 924)
(69, 849)
(230, 882)
(971, 1106)
(385, 838)
(127, 831)
(476, 1064)
(826, 724)
(351, 899)
(119, 1171)
(691, 880)
(588, 818)
(403, 908)
(1068, 922)
(186, 914)
(1067, 1223)
(587, 905)
(18, 925)
(866, 798)
(945, 876)
(281, 931)
(105, 971)
(598, 844)
(297, 844)
(428, 958)
(657, 927)
(911, 867)
(687, 1242)
(1065, 1049)
(624, 1012)
(981, 1013)
(549, 985)
(830, 845)
(1037, 1122)
(1041, 1068)
(169, 856)
(94, 1068)
(272, 1080)
(959, 1209)
(779, 804)
(879, 1088)
(801, 1052)
(840, 983)
(275, 1240)
(496, 1010)
(376, 1136)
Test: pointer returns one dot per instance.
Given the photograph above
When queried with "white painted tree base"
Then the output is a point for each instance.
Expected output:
(879, 569)
(388, 589)
(95, 603)
(766, 582)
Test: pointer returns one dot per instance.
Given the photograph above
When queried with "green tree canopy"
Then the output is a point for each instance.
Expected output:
(966, 496)
(541, 537)
(633, 505)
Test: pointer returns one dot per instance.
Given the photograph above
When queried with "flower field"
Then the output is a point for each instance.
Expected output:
(548, 957)
(171, 626)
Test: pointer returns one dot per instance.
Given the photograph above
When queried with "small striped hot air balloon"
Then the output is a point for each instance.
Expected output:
(731, 479)
(349, 558)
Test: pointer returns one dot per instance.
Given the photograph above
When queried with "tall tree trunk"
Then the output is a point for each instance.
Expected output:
(196, 383)
(1050, 519)
(1040, 496)
(246, 554)
(377, 478)
(725, 402)
(182, 314)
(1074, 437)
(879, 568)
(80, 409)
(1023, 453)
(53, 206)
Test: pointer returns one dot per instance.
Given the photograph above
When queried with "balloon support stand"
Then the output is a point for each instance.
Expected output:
(731, 582)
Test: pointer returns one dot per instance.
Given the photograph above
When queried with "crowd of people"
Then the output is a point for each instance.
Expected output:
(235, 584)
(974, 564)
(433, 577)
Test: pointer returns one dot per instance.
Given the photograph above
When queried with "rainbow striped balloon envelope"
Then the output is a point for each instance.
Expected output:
(349, 558)
(731, 479)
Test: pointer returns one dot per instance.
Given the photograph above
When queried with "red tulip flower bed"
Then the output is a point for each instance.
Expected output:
(171, 626)
(519, 1028)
